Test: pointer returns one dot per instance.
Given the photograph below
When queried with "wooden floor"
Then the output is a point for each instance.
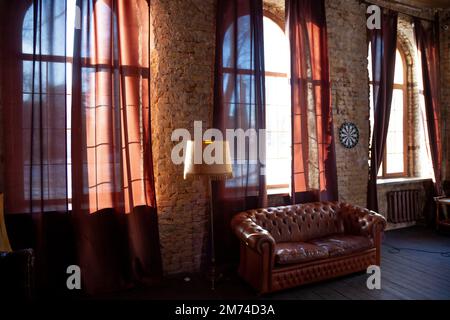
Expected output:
(405, 275)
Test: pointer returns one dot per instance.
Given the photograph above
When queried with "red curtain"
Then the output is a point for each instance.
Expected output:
(34, 106)
(78, 137)
(239, 103)
(313, 152)
(384, 46)
(33, 81)
(427, 38)
(114, 202)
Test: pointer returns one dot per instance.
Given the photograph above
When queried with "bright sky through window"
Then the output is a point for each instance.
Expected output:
(278, 107)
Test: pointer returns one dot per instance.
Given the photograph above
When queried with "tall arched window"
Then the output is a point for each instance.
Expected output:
(46, 54)
(278, 107)
(395, 160)
(395, 156)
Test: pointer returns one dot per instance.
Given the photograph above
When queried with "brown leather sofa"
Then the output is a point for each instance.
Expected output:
(283, 247)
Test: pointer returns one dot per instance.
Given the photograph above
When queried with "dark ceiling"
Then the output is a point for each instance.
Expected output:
(415, 3)
(430, 3)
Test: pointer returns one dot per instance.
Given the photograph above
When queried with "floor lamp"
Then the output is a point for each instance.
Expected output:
(212, 160)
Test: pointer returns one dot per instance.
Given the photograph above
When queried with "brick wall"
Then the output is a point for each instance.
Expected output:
(347, 47)
(182, 83)
(445, 88)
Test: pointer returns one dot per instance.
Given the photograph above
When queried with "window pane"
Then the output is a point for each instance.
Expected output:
(395, 137)
(371, 107)
(278, 106)
(399, 72)
(52, 94)
(394, 164)
(278, 92)
(369, 61)
(276, 48)
(51, 20)
(425, 164)
(371, 113)
(418, 70)
(243, 44)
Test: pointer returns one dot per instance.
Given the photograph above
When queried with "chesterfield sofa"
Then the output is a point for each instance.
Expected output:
(284, 247)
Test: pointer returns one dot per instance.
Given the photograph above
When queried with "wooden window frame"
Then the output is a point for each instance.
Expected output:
(404, 88)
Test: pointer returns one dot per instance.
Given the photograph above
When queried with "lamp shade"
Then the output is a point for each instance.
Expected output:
(208, 158)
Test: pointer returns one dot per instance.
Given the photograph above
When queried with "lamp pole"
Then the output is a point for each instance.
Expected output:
(213, 249)
(219, 170)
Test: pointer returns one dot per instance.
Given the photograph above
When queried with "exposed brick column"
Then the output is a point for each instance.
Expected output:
(182, 91)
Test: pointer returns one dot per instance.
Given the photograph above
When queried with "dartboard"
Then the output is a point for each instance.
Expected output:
(348, 135)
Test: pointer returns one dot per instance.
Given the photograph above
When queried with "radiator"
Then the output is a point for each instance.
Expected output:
(403, 206)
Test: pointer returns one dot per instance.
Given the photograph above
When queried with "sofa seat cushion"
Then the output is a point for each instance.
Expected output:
(343, 244)
(298, 252)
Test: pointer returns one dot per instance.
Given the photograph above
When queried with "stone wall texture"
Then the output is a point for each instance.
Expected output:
(445, 88)
(182, 82)
(347, 46)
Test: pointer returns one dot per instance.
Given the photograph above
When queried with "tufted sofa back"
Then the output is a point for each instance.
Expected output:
(300, 222)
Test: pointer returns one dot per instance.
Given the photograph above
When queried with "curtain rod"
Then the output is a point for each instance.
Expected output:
(397, 10)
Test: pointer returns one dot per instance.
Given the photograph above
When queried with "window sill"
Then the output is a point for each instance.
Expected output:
(278, 192)
(401, 180)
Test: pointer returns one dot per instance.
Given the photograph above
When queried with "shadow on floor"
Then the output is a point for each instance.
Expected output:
(418, 270)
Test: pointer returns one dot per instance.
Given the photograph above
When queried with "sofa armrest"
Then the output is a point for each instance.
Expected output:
(362, 221)
(251, 234)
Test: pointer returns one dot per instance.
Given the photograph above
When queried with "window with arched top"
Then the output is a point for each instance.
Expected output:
(47, 53)
(278, 107)
(395, 155)
(83, 66)
(238, 88)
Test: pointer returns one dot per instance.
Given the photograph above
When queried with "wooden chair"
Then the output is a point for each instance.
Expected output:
(442, 220)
